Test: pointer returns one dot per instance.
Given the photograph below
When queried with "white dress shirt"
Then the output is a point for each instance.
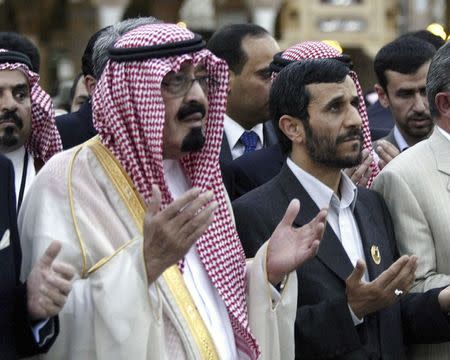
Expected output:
(209, 304)
(340, 213)
(234, 131)
(443, 132)
(17, 159)
(401, 142)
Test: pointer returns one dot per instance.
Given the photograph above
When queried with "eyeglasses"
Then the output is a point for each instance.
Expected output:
(178, 84)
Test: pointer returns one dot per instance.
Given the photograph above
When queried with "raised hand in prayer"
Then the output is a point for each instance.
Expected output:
(368, 297)
(360, 174)
(386, 151)
(289, 247)
(169, 233)
(48, 284)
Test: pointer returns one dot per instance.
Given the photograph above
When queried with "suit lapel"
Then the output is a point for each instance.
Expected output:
(270, 137)
(371, 241)
(331, 252)
(441, 149)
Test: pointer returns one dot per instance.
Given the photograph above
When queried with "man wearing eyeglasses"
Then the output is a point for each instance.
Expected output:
(144, 218)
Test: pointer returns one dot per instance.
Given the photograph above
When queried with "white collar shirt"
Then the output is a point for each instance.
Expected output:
(234, 131)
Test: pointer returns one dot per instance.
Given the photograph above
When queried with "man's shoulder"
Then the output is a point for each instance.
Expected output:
(261, 195)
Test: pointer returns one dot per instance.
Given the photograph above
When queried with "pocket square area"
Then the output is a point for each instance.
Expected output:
(5, 241)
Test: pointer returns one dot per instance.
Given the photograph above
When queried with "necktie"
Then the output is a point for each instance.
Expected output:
(249, 139)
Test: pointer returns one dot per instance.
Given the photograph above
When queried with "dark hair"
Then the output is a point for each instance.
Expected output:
(427, 36)
(87, 66)
(226, 43)
(405, 55)
(16, 42)
(289, 95)
(438, 78)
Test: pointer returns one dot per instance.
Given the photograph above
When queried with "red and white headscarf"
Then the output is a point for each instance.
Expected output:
(128, 112)
(319, 50)
(44, 140)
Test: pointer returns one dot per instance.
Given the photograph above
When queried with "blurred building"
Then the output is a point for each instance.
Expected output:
(61, 28)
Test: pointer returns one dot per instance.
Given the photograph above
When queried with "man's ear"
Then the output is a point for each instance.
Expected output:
(90, 83)
(442, 101)
(382, 95)
(293, 128)
(232, 77)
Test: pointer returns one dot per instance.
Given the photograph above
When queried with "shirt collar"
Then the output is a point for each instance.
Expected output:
(443, 132)
(401, 142)
(234, 131)
(321, 194)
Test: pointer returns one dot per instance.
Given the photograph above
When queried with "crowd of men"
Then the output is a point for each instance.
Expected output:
(225, 200)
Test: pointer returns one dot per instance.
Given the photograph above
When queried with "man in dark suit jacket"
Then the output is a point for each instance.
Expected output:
(22, 305)
(248, 50)
(346, 309)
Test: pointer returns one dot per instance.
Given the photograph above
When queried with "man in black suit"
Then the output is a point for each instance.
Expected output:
(248, 50)
(23, 306)
(401, 67)
(353, 298)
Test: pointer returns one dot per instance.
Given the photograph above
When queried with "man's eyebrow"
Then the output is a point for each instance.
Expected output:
(264, 70)
(334, 100)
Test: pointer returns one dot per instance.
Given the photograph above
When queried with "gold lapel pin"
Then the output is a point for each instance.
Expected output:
(376, 256)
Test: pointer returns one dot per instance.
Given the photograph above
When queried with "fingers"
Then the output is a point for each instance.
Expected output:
(155, 201)
(177, 205)
(194, 228)
(50, 254)
(386, 151)
(193, 209)
(64, 270)
(361, 173)
(406, 276)
(291, 213)
(357, 274)
(388, 276)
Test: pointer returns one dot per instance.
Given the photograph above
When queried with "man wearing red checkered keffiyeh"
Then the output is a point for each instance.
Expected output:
(27, 127)
(144, 216)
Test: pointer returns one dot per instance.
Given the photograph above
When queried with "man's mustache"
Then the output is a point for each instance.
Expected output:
(189, 109)
(352, 134)
(11, 116)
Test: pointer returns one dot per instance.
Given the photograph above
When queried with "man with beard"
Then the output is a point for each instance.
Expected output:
(415, 188)
(353, 301)
(28, 134)
(143, 214)
(401, 68)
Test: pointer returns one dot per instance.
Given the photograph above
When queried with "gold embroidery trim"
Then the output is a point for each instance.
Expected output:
(74, 218)
(172, 275)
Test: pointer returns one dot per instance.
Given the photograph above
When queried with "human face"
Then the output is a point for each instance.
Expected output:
(406, 96)
(15, 110)
(80, 96)
(248, 100)
(333, 135)
(185, 114)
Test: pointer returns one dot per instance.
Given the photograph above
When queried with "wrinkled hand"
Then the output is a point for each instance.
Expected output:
(367, 297)
(48, 284)
(290, 247)
(169, 233)
(386, 151)
(360, 174)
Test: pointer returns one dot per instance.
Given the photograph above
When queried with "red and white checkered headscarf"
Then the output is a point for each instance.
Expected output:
(128, 112)
(319, 50)
(44, 140)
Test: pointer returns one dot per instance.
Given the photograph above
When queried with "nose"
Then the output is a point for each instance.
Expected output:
(353, 118)
(7, 102)
(420, 103)
(196, 93)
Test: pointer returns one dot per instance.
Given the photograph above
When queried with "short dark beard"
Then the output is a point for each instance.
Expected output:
(10, 137)
(193, 141)
(322, 148)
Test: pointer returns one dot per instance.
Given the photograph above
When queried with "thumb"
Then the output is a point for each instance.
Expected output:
(357, 273)
(154, 203)
(291, 212)
(50, 253)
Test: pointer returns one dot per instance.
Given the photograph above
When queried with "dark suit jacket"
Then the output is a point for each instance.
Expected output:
(252, 170)
(324, 327)
(16, 337)
(270, 138)
(380, 120)
(77, 127)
